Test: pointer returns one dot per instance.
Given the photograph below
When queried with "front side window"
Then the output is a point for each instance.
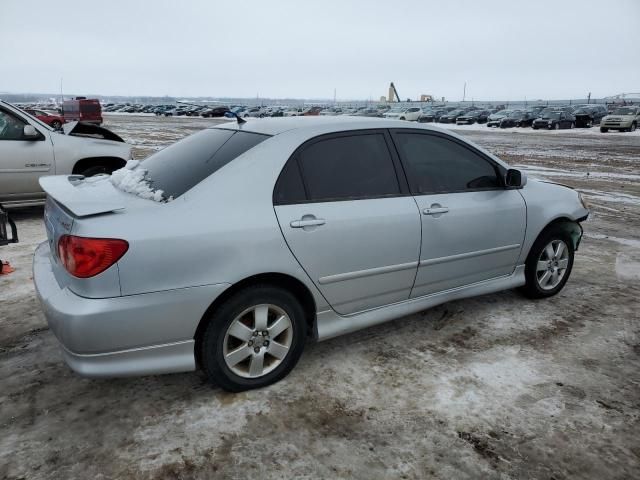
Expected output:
(435, 164)
(348, 167)
(11, 127)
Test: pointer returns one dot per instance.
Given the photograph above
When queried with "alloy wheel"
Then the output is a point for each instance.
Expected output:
(257, 341)
(552, 264)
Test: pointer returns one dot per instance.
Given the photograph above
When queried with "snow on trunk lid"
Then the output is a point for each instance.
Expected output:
(132, 179)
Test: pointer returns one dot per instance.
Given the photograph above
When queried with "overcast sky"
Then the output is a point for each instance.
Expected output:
(304, 49)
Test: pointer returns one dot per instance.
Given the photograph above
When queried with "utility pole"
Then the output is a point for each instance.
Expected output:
(589, 98)
(464, 91)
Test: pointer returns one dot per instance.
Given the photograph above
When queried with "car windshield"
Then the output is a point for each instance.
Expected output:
(397, 110)
(515, 114)
(625, 111)
(552, 115)
(503, 112)
(181, 166)
(583, 110)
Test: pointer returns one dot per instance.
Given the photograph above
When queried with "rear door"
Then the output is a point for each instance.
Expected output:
(472, 226)
(22, 161)
(347, 216)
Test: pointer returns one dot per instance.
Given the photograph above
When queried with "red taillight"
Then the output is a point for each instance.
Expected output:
(86, 257)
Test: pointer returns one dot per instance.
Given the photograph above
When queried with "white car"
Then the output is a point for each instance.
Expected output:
(293, 112)
(257, 112)
(30, 149)
(403, 113)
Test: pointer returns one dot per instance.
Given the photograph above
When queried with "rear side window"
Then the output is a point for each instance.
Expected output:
(438, 165)
(348, 167)
(181, 166)
(289, 188)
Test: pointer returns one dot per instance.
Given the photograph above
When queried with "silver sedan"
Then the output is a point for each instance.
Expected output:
(229, 249)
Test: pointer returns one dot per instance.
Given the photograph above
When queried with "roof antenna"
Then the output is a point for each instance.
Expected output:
(238, 118)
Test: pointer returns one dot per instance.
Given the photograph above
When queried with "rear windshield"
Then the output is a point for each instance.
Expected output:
(90, 108)
(180, 166)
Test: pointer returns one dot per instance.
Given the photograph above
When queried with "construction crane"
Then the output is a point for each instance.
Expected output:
(392, 92)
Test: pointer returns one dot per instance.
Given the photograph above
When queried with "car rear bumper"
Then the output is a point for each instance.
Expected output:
(151, 333)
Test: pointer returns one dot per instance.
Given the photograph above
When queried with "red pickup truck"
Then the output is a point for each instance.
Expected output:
(82, 109)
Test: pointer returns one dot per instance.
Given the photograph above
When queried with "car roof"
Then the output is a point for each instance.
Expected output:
(276, 126)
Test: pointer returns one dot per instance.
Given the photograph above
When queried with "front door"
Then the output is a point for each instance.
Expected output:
(349, 222)
(472, 226)
(22, 161)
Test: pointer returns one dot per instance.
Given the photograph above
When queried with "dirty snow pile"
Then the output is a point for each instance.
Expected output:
(131, 179)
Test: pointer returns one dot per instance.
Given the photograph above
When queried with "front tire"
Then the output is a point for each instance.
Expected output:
(603, 130)
(253, 339)
(549, 263)
(96, 170)
(633, 127)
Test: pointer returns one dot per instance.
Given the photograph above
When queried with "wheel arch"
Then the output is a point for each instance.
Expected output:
(113, 163)
(282, 280)
(572, 227)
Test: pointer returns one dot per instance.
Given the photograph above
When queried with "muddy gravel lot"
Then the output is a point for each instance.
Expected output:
(495, 387)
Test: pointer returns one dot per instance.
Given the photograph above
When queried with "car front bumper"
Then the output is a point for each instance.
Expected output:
(150, 333)
(616, 125)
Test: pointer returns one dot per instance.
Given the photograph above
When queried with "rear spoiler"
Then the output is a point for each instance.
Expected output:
(82, 198)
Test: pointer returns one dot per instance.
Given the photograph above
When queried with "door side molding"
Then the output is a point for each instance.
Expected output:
(460, 256)
(366, 273)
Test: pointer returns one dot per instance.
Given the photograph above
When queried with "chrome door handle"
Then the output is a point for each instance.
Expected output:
(435, 210)
(312, 222)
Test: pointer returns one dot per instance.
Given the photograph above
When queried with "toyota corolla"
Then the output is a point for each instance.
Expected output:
(230, 249)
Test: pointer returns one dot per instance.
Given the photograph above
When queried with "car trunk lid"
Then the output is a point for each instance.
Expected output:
(83, 198)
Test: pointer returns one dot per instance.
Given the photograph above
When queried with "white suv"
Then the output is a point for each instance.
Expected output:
(30, 149)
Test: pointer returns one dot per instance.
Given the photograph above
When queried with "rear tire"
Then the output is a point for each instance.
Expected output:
(542, 267)
(232, 328)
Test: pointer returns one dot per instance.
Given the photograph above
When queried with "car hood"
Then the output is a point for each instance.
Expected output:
(83, 129)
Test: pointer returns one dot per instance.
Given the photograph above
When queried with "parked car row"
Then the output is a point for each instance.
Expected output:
(621, 118)
(549, 117)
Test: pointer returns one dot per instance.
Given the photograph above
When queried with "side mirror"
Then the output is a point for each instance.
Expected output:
(515, 178)
(30, 133)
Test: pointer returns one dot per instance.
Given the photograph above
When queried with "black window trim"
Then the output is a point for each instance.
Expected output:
(403, 184)
(499, 169)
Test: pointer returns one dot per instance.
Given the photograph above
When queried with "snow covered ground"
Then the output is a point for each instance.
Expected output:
(496, 387)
